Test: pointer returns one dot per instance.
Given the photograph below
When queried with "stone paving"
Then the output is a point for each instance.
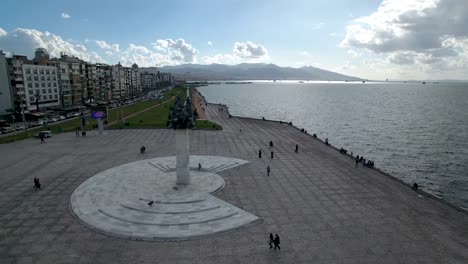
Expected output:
(324, 209)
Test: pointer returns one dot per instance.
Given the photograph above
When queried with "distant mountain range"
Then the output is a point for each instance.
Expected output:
(250, 71)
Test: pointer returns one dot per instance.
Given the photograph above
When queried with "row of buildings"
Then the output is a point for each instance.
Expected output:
(67, 82)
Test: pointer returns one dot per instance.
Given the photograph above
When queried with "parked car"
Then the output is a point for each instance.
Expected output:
(45, 134)
(53, 119)
(62, 118)
(69, 115)
(6, 130)
(20, 127)
(76, 114)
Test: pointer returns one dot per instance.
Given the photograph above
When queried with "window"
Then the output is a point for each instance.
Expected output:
(30, 92)
(43, 85)
(53, 78)
(29, 85)
(50, 96)
(35, 71)
(55, 90)
(42, 71)
(36, 85)
(28, 71)
(48, 84)
(42, 78)
(31, 98)
(47, 71)
(28, 78)
(50, 90)
(63, 70)
(36, 78)
(44, 97)
(53, 72)
(44, 91)
(48, 78)
(55, 84)
(55, 96)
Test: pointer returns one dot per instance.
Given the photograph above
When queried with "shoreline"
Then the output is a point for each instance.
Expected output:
(405, 184)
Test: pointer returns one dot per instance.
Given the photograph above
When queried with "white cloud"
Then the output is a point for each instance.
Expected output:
(210, 43)
(65, 15)
(318, 26)
(430, 34)
(221, 59)
(242, 52)
(109, 53)
(25, 41)
(2, 32)
(178, 50)
(104, 45)
(249, 50)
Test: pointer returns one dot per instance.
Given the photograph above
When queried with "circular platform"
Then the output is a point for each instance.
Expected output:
(140, 200)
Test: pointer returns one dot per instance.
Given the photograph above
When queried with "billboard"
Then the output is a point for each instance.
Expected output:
(99, 112)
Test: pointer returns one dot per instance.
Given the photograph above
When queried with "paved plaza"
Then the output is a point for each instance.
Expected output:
(324, 209)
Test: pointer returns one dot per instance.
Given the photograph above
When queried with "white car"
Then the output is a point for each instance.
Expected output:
(62, 118)
(76, 114)
(53, 119)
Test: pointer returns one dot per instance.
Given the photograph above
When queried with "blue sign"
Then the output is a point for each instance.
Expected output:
(98, 112)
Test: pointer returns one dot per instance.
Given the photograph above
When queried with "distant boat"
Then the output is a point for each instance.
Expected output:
(274, 80)
(423, 82)
(363, 81)
(301, 82)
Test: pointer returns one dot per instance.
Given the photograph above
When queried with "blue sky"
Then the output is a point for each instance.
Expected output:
(352, 37)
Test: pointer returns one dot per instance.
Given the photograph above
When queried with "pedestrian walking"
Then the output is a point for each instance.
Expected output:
(260, 154)
(271, 144)
(357, 160)
(37, 184)
(268, 170)
(41, 136)
(272, 154)
(199, 166)
(272, 240)
(277, 242)
(297, 148)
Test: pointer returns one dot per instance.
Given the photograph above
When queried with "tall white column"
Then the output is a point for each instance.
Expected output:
(182, 157)
(100, 126)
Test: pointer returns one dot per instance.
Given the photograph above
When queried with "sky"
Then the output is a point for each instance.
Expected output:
(373, 39)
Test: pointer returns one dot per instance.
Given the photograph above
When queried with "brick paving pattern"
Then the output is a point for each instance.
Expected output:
(324, 209)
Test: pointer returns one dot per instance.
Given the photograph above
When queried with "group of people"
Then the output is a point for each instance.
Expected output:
(37, 184)
(274, 241)
(343, 151)
(361, 159)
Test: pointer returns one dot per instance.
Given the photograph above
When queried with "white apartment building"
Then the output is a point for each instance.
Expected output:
(6, 100)
(119, 84)
(41, 84)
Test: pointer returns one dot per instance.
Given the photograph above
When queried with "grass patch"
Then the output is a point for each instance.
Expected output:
(67, 126)
(206, 124)
(156, 117)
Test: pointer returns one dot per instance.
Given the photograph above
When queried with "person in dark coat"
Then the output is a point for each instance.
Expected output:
(277, 242)
(272, 240)
(268, 170)
(415, 187)
(357, 160)
(37, 184)
(297, 148)
(271, 144)
(260, 154)
(272, 154)
(41, 136)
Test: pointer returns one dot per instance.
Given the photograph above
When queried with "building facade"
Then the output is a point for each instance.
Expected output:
(42, 87)
(6, 98)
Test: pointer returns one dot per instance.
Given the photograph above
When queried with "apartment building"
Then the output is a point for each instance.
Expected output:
(42, 87)
(6, 98)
